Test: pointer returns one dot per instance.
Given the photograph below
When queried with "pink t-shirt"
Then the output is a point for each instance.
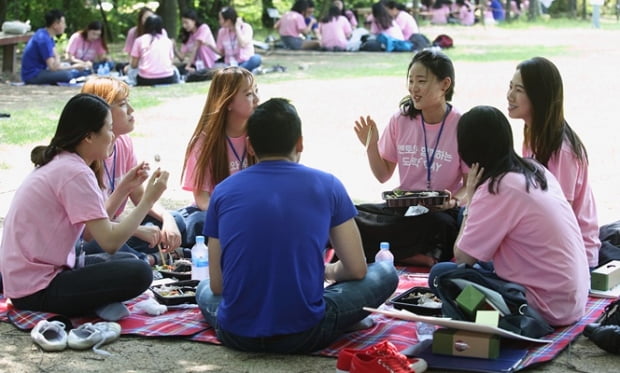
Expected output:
(573, 178)
(407, 24)
(292, 24)
(117, 165)
(351, 18)
(45, 220)
(402, 142)
(227, 42)
(533, 239)
(131, 38)
(335, 33)
(83, 49)
(237, 159)
(155, 54)
(202, 36)
(466, 15)
(394, 30)
(439, 16)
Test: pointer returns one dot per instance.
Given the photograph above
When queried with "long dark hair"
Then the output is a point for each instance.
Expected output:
(96, 26)
(189, 14)
(332, 14)
(544, 88)
(83, 114)
(439, 65)
(139, 25)
(381, 16)
(300, 6)
(484, 136)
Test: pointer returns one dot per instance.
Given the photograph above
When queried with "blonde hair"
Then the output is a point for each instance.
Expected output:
(213, 155)
(112, 90)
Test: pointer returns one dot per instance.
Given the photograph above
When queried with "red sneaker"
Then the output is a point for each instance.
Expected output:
(343, 365)
(383, 348)
(363, 363)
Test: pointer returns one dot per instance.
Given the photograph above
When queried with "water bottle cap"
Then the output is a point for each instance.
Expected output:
(384, 245)
(200, 239)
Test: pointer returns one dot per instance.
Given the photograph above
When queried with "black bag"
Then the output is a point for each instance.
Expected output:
(430, 234)
(200, 75)
(518, 318)
(609, 235)
(419, 41)
(371, 44)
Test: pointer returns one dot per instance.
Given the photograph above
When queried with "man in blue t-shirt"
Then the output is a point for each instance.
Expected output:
(41, 63)
(267, 227)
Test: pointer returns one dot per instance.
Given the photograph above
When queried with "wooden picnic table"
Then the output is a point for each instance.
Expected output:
(9, 47)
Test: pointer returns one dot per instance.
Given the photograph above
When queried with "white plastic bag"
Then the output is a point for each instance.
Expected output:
(16, 27)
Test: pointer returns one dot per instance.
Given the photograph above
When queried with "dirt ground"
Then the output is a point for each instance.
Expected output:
(328, 110)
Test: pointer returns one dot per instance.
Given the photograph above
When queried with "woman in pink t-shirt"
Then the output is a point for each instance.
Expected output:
(292, 28)
(536, 95)
(89, 46)
(440, 12)
(403, 18)
(235, 40)
(382, 22)
(52, 207)
(160, 228)
(198, 44)
(519, 220)
(420, 140)
(217, 148)
(335, 30)
(152, 55)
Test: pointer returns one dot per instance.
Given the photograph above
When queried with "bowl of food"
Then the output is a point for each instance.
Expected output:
(175, 293)
(180, 269)
(406, 198)
(419, 300)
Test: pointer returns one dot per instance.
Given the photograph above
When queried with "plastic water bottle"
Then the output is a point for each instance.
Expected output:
(384, 254)
(200, 260)
(106, 69)
(100, 71)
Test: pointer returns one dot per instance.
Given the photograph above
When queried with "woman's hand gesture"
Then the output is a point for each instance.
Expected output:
(366, 130)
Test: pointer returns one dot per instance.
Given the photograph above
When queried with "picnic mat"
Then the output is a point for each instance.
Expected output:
(186, 321)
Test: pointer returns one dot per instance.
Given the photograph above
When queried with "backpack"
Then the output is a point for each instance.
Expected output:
(516, 315)
(419, 42)
(443, 41)
(394, 45)
(371, 44)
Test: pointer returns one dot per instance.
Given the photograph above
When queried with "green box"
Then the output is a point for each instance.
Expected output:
(470, 300)
(465, 343)
(606, 277)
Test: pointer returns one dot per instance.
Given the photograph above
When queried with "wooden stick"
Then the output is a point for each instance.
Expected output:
(368, 138)
(161, 255)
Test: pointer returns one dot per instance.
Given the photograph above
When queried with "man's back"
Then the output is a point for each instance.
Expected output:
(273, 221)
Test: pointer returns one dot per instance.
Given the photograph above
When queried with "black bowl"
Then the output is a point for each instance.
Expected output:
(409, 301)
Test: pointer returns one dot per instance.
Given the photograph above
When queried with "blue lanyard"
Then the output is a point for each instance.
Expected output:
(236, 154)
(111, 179)
(431, 159)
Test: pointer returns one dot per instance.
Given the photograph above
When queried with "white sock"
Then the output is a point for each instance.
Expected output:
(112, 311)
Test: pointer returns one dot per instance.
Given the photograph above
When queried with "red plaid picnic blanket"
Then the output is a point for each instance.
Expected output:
(187, 321)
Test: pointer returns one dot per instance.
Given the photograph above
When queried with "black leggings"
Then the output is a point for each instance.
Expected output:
(78, 292)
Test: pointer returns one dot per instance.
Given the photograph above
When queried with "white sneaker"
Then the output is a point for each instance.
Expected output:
(50, 335)
(110, 332)
(83, 337)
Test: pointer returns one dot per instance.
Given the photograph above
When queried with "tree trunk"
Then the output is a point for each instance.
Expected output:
(106, 27)
(3, 9)
(169, 12)
(534, 10)
(268, 22)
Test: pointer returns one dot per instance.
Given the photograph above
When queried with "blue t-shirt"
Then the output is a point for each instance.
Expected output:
(38, 49)
(273, 221)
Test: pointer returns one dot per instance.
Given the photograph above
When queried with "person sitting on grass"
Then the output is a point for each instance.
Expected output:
(266, 287)
(518, 219)
(41, 63)
(54, 204)
(88, 45)
(160, 229)
(153, 54)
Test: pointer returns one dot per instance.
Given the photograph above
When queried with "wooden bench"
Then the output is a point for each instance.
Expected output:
(9, 47)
